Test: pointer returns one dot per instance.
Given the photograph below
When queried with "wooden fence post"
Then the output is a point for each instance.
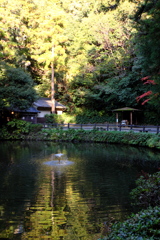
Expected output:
(107, 127)
(157, 129)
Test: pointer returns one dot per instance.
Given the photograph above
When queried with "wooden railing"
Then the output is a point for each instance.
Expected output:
(105, 127)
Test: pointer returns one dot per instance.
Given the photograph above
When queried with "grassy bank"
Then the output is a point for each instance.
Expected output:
(18, 130)
(140, 139)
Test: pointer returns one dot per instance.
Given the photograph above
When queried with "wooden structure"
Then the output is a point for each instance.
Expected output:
(29, 115)
(105, 127)
(123, 110)
(44, 106)
(34, 114)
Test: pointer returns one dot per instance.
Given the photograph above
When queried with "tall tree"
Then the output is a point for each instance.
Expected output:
(29, 30)
(101, 56)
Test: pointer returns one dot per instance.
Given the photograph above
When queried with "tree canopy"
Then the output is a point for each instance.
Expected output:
(16, 88)
(100, 49)
(147, 19)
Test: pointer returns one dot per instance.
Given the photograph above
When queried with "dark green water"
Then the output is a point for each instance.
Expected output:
(67, 202)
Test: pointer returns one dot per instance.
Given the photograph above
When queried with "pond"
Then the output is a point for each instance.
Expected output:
(70, 196)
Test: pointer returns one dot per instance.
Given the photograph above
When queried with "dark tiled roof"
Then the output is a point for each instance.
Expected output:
(46, 103)
(29, 110)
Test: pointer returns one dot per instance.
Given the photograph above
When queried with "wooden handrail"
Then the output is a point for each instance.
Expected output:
(107, 127)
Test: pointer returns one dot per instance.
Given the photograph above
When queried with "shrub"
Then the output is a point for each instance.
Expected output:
(144, 225)
(154, 141)
(94, 117)
(35, 128)
(22, 128)
(15, 129)
(68, 118)
(18, 126)
(54, 118)
(99, 135)
(4, 134)
(19, 129)
(147, 192)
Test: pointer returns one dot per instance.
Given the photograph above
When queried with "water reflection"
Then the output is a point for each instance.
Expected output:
(44, 201)
(58, 160)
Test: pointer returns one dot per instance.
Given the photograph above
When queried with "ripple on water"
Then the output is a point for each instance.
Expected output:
(58, 163)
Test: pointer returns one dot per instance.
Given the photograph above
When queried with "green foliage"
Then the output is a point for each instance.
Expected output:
(54, 118)
(147, 23)
(94, 117)
(103, 79)
(147, 17)
(63, 118)
(141, 226)
(154, 142)
(19, 129)
(151, 117)
(15, 129)
(146, 223)
(99, 135)
(99, 57)
(80, 117)
(35, 128)
(18, 125)
(147, 192)
(69, 118)
(4, 134)
(16, 88)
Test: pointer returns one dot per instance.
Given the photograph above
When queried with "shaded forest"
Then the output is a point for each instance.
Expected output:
(105, 53)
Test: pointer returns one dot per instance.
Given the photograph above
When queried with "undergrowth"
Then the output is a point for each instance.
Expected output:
(18, 129)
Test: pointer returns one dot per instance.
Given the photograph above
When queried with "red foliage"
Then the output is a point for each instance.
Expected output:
(147, 81)
(145, 78)
(143, 95)
(150, 81)
(145, 101)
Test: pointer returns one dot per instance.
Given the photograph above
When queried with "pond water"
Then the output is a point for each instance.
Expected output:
(70, 196)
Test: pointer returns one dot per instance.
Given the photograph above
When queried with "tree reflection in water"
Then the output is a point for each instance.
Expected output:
(75, 201)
